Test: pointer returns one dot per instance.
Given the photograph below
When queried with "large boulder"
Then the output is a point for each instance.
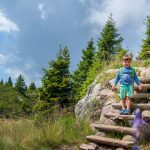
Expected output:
(107, 108)
(93, 101)
(144, 72)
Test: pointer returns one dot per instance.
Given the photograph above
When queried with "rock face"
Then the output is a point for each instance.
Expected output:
(92, 103)
(98, 96)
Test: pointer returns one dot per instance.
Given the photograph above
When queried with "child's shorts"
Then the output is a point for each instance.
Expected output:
(126, 91)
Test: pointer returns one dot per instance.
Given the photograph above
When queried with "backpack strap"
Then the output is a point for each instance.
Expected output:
(121, 71)
(133, 72)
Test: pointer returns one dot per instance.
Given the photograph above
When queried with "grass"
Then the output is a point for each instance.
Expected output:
(27, 134)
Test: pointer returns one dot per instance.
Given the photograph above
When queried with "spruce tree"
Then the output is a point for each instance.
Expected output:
(20, 85)
(32, 86)
(9, 82)
(56, 83)
(109, 44)
(80, 75)
(145, 52)
(2, 82)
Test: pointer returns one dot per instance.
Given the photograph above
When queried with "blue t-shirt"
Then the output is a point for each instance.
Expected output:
(126, 78)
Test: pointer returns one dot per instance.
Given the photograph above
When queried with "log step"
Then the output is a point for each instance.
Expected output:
(110, 128)
(141, 106)
(109, 141)
(145, 80)
(118, 116)
(142, 95)
(144, 86)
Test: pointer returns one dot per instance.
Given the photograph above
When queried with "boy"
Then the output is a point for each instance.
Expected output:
(127, 76)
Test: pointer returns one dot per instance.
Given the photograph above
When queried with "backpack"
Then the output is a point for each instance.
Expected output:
(132, 75)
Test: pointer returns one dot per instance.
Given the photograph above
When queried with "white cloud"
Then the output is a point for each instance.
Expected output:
(42, 10)
(128, 15)
(45, 10)
(8, 65)
(14, 72)
(124, 11)
(7, 25)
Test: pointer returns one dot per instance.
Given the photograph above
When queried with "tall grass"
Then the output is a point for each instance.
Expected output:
(29, 135)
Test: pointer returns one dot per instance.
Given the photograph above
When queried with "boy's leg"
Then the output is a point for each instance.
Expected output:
(123, 103)
(122, 106)
(123, 98)
(130, 93)
(128, 103)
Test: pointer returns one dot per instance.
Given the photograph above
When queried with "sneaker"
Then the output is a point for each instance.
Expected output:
(122, 111)
(127, 112)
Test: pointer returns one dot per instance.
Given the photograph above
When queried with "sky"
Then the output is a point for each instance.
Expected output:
(31, 31)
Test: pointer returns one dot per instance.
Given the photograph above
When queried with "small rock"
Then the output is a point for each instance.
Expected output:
(88, 146)
(146, 115)
(101, 134)
(108, 109)
(128, 138)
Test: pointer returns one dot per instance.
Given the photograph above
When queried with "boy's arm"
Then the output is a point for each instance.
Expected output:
(136, 79)
(117, 78)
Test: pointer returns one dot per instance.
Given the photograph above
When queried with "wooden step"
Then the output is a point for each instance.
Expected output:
(109, 141)
(141, 106)
(118, 116)
(142, 95)
(144, 87)
(110, 128)
(123, 117)
(145, 80)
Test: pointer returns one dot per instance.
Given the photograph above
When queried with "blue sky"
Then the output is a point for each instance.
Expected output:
(31, 31)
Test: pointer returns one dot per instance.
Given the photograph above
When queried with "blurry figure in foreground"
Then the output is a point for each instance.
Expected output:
(142, 129)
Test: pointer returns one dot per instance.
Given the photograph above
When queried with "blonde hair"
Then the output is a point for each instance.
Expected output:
(127, 57)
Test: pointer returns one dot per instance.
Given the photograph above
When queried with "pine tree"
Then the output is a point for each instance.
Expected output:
(32, 86)
(20, 85)
(145, 52)
(80, 75)
(9, 82)
(109, 44)
(2, 82)
(56, 83)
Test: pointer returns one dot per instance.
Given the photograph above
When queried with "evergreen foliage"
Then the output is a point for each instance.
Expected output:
(80, 75)
(145, 52)
(32, 86)
(109, 44)
(56, 83)
(20, 85)
(9, 82)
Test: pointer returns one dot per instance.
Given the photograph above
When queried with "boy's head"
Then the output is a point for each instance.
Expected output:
(127, 60)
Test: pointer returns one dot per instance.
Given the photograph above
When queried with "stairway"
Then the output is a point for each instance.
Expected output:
(114, 142)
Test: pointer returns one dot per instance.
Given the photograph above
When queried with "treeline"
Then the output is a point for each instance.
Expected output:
(17, 99)
(20, 84)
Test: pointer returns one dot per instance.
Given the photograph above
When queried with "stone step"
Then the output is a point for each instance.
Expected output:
(111, 128)
(109, 141)
(145, 80)
(141, 106)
